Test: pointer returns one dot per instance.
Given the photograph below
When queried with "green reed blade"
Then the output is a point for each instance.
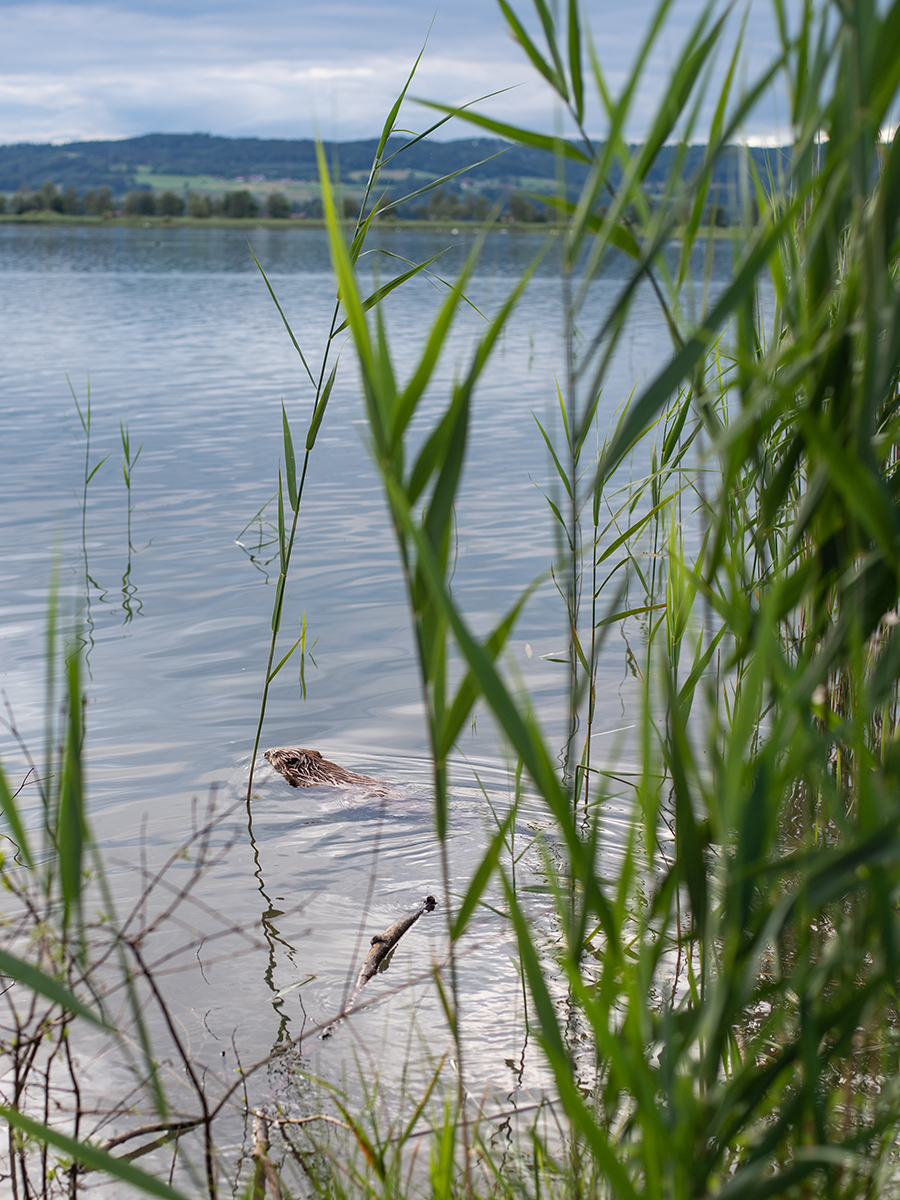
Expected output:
(619, 111)
(864, 494)
(680, 88)
(319, 411)
(554, 1048)
(561, 471)
(407, 1131)
(284, 319)
(96, 469)
(388, 127)
(518, 729)
(436, 183)
(419, 137)
(549, 27)
(619, 236)
(91, 1156)
(440, 328)
(279, 604)
(468, 691)
(11, 812)
(439, 513)
(385, 290)
(553, 75)
(282, 534)
(363, 225)
(432, 275)
(646, 407)
(347, 287)
(83, 417)
(538, 141)
(290, 465)
(70, 820)
(481, 877)
(575, 70)
(45, 985)
(716, 141)
(277, 668)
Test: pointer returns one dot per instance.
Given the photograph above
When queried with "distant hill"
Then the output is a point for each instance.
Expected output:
(116, 164)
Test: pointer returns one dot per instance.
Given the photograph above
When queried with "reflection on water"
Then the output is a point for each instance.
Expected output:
(181, 344)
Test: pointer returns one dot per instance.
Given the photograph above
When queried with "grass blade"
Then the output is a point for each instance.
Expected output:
(45, 985)
(319, 411)
(290, 465)
(91, 1156)
(70, 828)
(284, 319)
(525, 137)
(552, 75)
(387, 288)
(11, 812)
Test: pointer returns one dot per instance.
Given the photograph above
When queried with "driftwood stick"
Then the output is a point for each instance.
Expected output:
(168, 1130)
(172, 1128)
(265, 1178)
(381, 946)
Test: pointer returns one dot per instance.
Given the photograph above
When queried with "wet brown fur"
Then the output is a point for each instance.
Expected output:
(307, 768)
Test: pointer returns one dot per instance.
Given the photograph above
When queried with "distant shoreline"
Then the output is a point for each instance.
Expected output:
(248, 223)
(50, 218)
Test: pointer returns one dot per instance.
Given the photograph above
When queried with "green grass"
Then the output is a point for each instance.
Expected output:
(294, 189)
(194, 183)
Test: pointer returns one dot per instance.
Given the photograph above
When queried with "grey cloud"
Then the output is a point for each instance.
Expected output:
(77, 70)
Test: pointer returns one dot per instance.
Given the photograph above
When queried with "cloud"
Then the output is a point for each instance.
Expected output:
(74, 70)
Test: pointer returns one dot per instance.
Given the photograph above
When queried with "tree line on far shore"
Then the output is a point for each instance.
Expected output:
(242, 204)
(443, 205)
(95, 202)
(238, 204)
(99, 202)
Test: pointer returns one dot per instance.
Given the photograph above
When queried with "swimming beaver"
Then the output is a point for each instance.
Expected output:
(307, 768)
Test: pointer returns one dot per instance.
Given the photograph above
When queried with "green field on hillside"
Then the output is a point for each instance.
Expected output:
(294, 189)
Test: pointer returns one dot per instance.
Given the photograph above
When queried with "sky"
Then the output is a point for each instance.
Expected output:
(73, 70)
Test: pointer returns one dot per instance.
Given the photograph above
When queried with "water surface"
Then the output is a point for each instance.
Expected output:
(176, 337)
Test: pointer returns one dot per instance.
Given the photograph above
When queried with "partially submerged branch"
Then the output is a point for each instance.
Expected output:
(381, 946)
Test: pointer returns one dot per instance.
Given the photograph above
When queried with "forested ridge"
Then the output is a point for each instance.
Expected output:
(116, 164)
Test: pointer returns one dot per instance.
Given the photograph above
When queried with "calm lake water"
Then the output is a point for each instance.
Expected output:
(180, 341)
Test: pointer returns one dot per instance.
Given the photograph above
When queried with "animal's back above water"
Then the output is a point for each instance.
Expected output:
(307, 768)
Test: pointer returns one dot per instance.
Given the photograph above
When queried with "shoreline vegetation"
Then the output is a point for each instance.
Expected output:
(443, 225)
(484, 170)
(451, 198)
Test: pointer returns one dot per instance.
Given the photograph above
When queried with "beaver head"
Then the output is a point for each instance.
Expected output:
(301, 768)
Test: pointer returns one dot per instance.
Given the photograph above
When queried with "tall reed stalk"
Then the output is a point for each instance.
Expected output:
(373, 206)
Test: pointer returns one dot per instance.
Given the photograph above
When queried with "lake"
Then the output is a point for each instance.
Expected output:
(180, 342)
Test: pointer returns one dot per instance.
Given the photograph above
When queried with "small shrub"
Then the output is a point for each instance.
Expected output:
(198, 206)
(25, 200)
(139, 204)
(277, 206)
(97, 202)
(170, 204)
(239, 205)
(521, 208)
(69, 202)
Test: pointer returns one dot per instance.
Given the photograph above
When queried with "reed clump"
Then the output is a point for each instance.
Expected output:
(733, 985)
